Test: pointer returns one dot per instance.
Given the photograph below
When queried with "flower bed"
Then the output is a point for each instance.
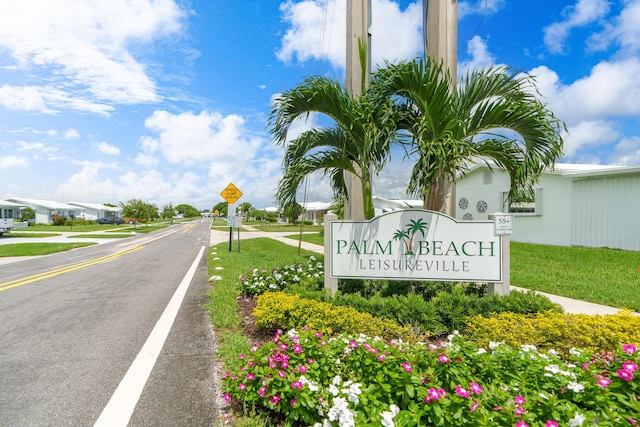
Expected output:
(310, 379)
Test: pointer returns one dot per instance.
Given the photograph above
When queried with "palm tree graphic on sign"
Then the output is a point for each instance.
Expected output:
(407, 235)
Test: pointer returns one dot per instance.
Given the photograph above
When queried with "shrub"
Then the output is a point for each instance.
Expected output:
(258, 281)
(556, 330)
(306, 378)
(279, 310)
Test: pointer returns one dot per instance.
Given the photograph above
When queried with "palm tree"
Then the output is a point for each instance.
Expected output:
(490, 115)
(357, 142)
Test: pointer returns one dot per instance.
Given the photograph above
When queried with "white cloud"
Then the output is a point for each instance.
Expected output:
(480, 56)
(624, 31)
(107, 148)
(627, 152)
(71, 134)
(317, 31)
(481, 7)
(588, 134)
(612, 89)
(83, 48)
(584, 12)
(13, 161)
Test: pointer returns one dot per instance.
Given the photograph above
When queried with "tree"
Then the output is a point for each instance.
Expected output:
(187, 211)
(168, 212)
(358, 142)
(490, 115)
(292, 211)
(246, 208)
(27, 214)
(142, 211)
(222, 208)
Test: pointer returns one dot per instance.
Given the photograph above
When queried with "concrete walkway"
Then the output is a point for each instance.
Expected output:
(569, 305)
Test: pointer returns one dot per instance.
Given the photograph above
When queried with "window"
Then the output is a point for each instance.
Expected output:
(524, 206)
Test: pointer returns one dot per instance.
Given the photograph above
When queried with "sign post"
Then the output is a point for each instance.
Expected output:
(231, 194)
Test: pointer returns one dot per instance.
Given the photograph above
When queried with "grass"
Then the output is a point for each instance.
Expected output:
(286, 227)
(602, 276)
(37, 249)
(100, 236)
(34, 235)
(223, 307)
(314, 238)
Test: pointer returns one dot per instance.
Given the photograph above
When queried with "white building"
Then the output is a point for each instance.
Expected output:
(575, 205)
(10, 210)
(93, 211)
(47, 209)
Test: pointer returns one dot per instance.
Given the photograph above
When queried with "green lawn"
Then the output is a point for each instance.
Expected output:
(603, 276)
(37, 249)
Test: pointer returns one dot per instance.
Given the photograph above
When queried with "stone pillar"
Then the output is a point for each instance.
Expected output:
(329, 282)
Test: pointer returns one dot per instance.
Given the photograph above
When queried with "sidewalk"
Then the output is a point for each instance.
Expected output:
(569, 305)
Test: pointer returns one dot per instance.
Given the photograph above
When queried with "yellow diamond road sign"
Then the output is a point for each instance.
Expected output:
(231, 194)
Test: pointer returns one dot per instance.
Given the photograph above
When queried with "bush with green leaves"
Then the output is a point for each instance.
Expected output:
(309, 379)
(257, 281)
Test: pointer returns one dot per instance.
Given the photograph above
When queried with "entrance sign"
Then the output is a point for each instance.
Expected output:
(231, 194)
(416, 244)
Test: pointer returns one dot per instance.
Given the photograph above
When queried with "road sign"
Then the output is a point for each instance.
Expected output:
(231, 194)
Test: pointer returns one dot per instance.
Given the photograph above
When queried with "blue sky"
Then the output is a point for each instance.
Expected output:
(166, 100)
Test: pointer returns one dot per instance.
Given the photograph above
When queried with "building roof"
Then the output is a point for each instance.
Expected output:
(96, 206)
(575, 169)
(8, 204)
(48, 204)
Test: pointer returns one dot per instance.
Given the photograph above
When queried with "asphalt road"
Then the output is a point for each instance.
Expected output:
(73, 324)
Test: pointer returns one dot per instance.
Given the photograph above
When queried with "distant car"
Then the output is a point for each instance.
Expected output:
(110, 220)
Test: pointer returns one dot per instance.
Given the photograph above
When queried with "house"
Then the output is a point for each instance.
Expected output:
(10, 210)
(574, 205)
(47, 209)
(93, 211)
(382, 205)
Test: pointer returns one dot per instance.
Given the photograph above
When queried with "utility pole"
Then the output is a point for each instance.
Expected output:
(358, 23)
(441, 44)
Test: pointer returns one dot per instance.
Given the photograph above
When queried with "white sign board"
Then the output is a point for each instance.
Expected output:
(415, 244)
(231, 215)
(503, 224)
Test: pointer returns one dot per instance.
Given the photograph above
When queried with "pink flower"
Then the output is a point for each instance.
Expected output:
(241, 356)
(302, 369)
(381, 358)
(632, 421)
(262, 391)
(629, 348)
(353, 344)
(242, 386)
(250, 376)
(317, 334)
(462, 392)
(520, 411)
(475, 387)
(274, 400)
(283, 347)
(520, 400)
(551, 423)
(407, 367)
(297, 349)
(311, 361)
(443, 358)
(432, 394)
(296, 384)
(604, 382)
(624, 375)
(474, 406)
(293, 402)
(630, 366)
(521, 424)
(226, 396)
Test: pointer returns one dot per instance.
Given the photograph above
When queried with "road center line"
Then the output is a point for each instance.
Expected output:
(58, 271)
(124, 400)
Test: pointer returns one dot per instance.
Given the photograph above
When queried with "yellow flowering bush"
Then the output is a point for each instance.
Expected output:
(280, 310)
(559, 331)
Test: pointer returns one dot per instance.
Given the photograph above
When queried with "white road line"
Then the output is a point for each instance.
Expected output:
(124, 400)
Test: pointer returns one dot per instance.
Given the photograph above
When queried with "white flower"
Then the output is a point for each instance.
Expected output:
(336, 380)
(528, 347)
(333, 390)
(554, 369)
(388, 416)
(574, 351)
(575, 387)
(493, 345)
(552, 352)
(577, 420)
(481, 351)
